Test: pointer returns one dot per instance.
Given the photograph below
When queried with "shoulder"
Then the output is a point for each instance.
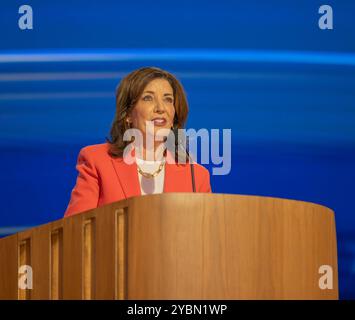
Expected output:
(203, 181)
(95, 152)
(201, 171)
(95, 149)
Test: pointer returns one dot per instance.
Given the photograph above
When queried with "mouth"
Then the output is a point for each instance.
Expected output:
(159, 122)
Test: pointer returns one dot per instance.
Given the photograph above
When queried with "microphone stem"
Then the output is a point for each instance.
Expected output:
(192, 169)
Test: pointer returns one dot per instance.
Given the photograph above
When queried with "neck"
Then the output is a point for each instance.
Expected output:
(151, 154)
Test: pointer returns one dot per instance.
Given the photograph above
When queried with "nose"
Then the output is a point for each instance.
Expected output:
(159, 106)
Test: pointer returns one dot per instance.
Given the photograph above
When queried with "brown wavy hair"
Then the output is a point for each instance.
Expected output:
(128, 93)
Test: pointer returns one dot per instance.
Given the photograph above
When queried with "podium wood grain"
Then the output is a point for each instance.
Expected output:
(178, 246)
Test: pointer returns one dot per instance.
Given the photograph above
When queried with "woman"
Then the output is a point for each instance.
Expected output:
(151, 101)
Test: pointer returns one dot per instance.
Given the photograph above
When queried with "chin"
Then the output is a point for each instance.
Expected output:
(162, 131)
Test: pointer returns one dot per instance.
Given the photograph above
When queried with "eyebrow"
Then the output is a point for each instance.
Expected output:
(165, 94)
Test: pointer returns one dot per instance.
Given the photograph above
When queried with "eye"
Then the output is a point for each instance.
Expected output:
(147, 98)
(169, 99)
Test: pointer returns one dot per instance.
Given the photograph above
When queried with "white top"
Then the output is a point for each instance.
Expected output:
(150, 185)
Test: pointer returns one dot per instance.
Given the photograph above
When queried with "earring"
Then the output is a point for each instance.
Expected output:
(129, 123)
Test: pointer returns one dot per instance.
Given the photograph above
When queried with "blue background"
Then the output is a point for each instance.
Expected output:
(262, 68)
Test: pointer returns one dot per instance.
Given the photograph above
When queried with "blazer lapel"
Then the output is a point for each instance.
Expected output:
(176, 176)
(127, 175)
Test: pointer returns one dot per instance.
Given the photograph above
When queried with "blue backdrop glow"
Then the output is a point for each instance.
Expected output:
(262, 68)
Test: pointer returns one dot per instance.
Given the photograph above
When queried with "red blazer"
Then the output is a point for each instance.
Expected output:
(103, 179)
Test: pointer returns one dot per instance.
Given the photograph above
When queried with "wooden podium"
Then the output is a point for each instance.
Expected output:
(177, 246)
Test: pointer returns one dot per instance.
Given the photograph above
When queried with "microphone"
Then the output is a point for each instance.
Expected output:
(181, 144)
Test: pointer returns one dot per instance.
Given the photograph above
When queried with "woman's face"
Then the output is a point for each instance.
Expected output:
(155, 105)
